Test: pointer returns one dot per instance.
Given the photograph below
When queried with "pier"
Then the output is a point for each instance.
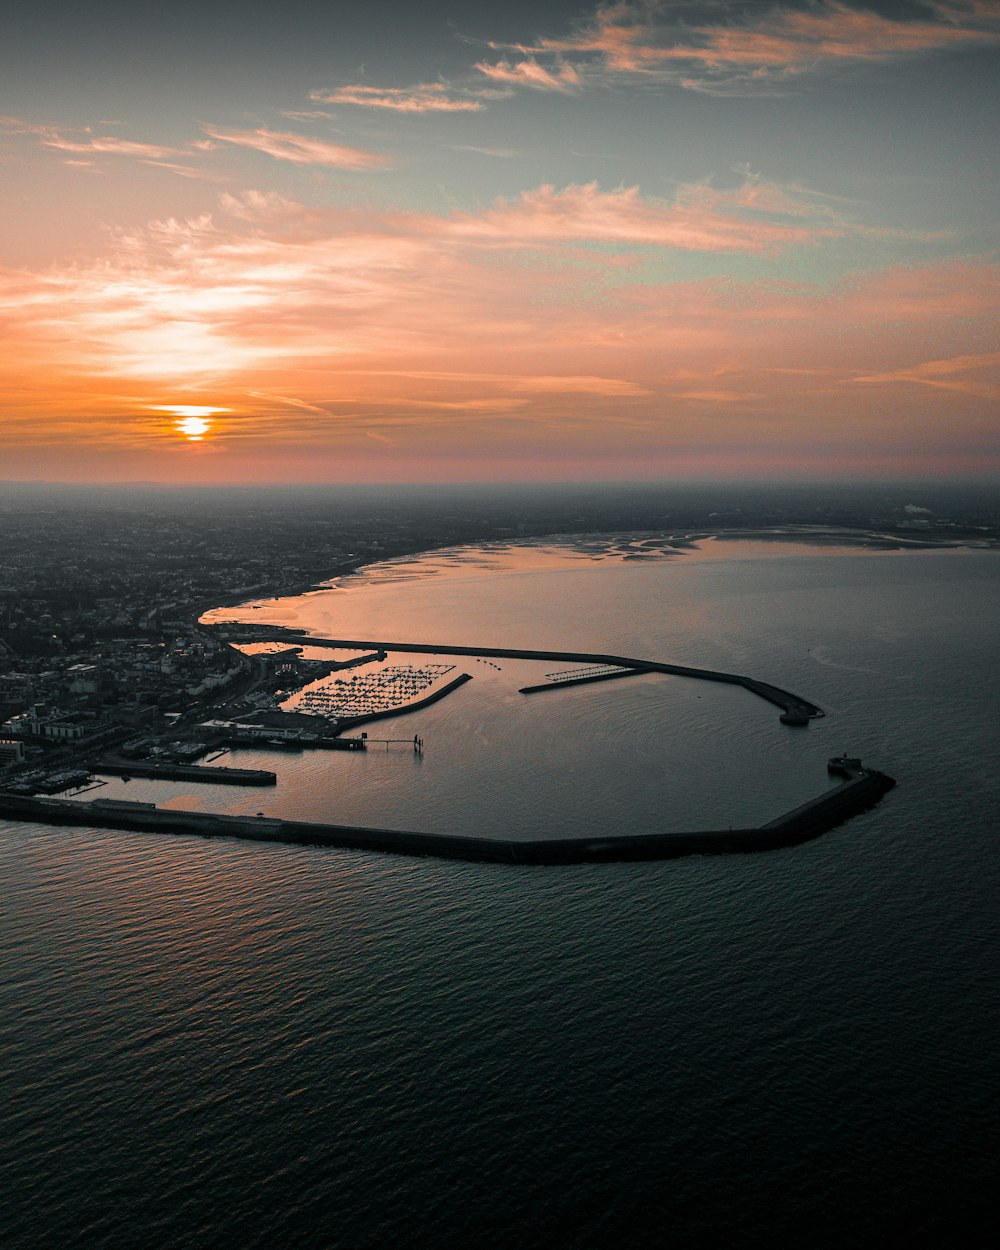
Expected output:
(588, 677)
(185, 772)
(415, 742)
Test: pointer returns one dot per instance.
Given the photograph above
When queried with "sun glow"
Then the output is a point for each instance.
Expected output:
(191, 420)
(194, 428)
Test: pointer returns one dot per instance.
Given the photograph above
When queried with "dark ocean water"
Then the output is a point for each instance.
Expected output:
(220, 1043)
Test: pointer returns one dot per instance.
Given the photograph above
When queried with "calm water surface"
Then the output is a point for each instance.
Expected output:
(217, 1043)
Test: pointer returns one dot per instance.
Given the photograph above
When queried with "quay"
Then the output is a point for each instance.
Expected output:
(185, 772)
(862, 790)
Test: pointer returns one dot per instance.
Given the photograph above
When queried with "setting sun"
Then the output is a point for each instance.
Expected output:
(194, 427)
(191, 419)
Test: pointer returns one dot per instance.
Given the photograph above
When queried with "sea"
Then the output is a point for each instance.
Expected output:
(209, 1043)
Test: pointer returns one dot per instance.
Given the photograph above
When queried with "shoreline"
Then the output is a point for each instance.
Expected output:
(820, 537)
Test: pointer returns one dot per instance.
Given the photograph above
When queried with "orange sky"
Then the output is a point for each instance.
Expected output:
(367, 298)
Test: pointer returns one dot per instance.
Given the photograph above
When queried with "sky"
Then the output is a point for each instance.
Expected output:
(296, 242)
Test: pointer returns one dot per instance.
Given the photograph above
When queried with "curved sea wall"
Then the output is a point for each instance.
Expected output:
(803, 823)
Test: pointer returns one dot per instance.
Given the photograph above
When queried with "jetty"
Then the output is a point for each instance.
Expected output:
(586, 678)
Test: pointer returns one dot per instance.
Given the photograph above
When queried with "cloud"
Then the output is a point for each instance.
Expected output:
(749, 219)
(89, 144)
(742, 51)
(300, 149)
(265, 280)
(317, 325)
(942, 375)
(86, 146)
(720, 397)
(112, 147)
(186, 171)
(529, 73)
(499, 153)
(261, 207)
(579, 385)
(500, 404)
(424, 98)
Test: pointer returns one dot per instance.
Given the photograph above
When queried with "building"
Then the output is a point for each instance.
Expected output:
(11, 752)
(84, 678)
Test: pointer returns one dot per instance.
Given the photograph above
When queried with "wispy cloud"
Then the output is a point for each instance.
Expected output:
(741, 50)
(946, 375)
(756, 218)
(283, 145)
(112, 147)
(722, 397)
(87, 144)
(187, 171)
(84, 147)
(308, 115)
(497, 404)
(505, 154)
(424, 98)
(528, 73)
(579, 385)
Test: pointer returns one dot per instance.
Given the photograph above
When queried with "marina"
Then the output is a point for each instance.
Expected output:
(376, 693)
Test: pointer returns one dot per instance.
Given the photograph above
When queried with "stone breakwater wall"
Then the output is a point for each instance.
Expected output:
(800, 825)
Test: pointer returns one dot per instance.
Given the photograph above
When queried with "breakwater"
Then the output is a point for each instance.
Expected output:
(186, 772)
(579, 681)
(860, 792)
(795, 709)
